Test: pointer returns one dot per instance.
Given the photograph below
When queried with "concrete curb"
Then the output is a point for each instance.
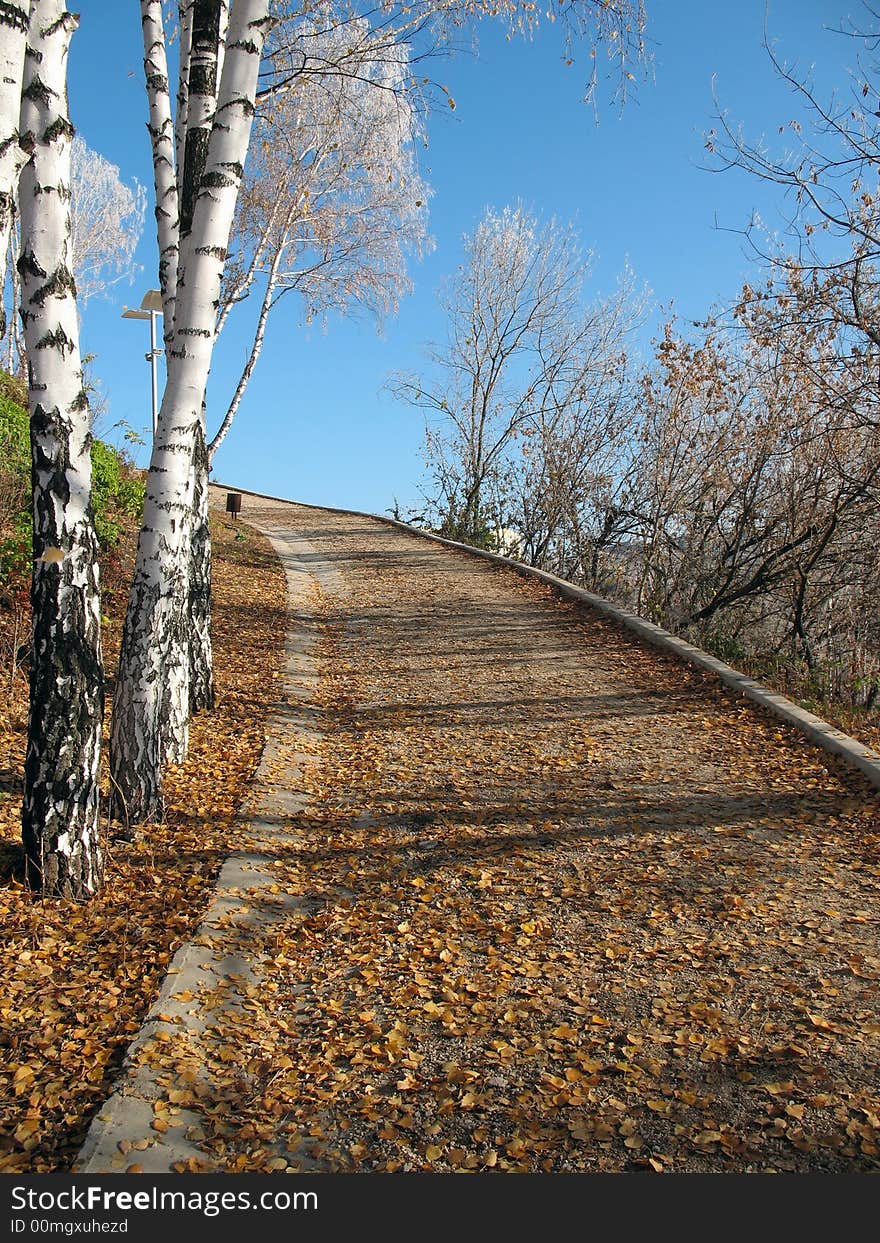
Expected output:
(819, 732)
(206, 979)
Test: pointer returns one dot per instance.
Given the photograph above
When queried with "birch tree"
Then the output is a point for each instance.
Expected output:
(203, 25)
(61, 792)
(333, 203)
(152, 703)
(151, 706)
(330, 208)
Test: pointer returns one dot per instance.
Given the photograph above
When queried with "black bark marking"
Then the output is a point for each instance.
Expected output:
(37, 91)
(68, 21)
(60, 285)
(12, 15)
(246, 105)
(59, 128)
(48, 427)
(201, 671)
(28, 267)
(55, 339)
(204, 51)
(217, 181)
(195, 155)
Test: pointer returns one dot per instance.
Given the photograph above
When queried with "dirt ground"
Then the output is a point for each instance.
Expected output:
(76, 980)
(570, 906)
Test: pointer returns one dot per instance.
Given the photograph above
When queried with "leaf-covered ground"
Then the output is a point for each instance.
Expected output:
(567, 906)
(76, 981)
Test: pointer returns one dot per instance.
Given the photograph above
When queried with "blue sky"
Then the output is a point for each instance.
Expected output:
(315, 424)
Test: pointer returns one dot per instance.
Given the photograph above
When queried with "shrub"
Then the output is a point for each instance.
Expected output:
(15, 478)
(117, 492)
(117, 488)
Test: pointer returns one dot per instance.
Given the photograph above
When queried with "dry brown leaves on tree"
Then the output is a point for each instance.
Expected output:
(567, 906)
(76, 981)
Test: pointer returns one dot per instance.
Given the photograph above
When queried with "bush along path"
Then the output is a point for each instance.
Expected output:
(545, 900)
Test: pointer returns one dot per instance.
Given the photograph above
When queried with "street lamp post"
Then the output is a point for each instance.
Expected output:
(151, 309)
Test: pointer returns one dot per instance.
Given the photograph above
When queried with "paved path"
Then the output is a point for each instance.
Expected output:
(501, 806)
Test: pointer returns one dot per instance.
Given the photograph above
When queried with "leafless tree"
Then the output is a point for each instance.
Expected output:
(750, 489)
(825, 160)
(107, 217)
(562, 494)
(518, 353)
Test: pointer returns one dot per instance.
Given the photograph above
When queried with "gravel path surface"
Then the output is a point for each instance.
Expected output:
(576, 907)
(557, 902)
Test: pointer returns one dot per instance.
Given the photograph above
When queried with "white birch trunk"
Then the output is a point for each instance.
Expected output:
(209, 26)
(185, 14)
(201, 670)
(151, 702)
(13, 35)
(61, 792)
(201, 663)
(161, 127)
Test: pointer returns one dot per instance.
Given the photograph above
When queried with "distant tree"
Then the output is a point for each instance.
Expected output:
(563, 492)
(522, 362)
(507, 309)
(107, 217)
(749, 492)
(826, 162)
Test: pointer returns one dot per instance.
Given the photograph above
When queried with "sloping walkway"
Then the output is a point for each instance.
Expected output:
(529, 896)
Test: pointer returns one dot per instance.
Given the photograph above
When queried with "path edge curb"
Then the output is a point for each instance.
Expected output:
(127, 1113)
(818, 731)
